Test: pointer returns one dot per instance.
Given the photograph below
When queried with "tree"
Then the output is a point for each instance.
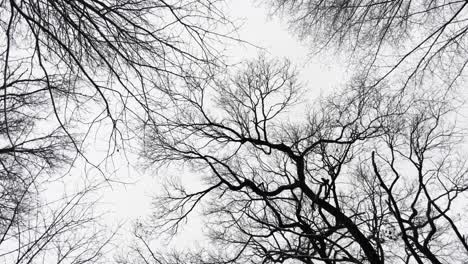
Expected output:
(109, 57)
(407, 40)
(368, 175)
(63, 231)
(74, 69)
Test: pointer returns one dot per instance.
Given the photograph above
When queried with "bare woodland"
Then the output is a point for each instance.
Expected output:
(373, 172)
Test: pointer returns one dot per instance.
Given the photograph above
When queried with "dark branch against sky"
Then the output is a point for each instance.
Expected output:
(279, 132)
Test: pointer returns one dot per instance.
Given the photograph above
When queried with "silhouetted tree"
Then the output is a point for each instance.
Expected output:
(84, 63)
(368, 175)
(71, 70)
(413, 39)
(64, 231)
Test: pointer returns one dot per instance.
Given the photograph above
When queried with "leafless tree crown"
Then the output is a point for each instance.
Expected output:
(73, 71)
(371, 175)
(409, 40)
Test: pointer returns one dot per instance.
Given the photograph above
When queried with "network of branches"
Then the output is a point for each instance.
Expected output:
(373, 173)
(73, 70)
(406, 40)
(368, 175)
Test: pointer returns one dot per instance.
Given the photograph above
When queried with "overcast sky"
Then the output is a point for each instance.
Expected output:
(128, 202)
(125, 203)
(125, 187)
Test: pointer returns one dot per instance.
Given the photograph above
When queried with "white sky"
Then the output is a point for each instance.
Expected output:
(129, 202)
(273, 36)
(132, 201)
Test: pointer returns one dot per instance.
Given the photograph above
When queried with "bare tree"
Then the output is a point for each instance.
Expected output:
(71, 70)
(25, 153)
(413, 39)
(65, 231)
(70, 66)
(101, 57)
(369, 175)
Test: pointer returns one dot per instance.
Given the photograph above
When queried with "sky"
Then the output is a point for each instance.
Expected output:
(131, 199)
(272, 36)
(128, 199)
(266, 34)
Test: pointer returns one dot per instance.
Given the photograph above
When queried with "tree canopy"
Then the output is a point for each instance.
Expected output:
(373, 172)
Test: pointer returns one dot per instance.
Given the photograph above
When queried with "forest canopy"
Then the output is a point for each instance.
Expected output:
(373, 171)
